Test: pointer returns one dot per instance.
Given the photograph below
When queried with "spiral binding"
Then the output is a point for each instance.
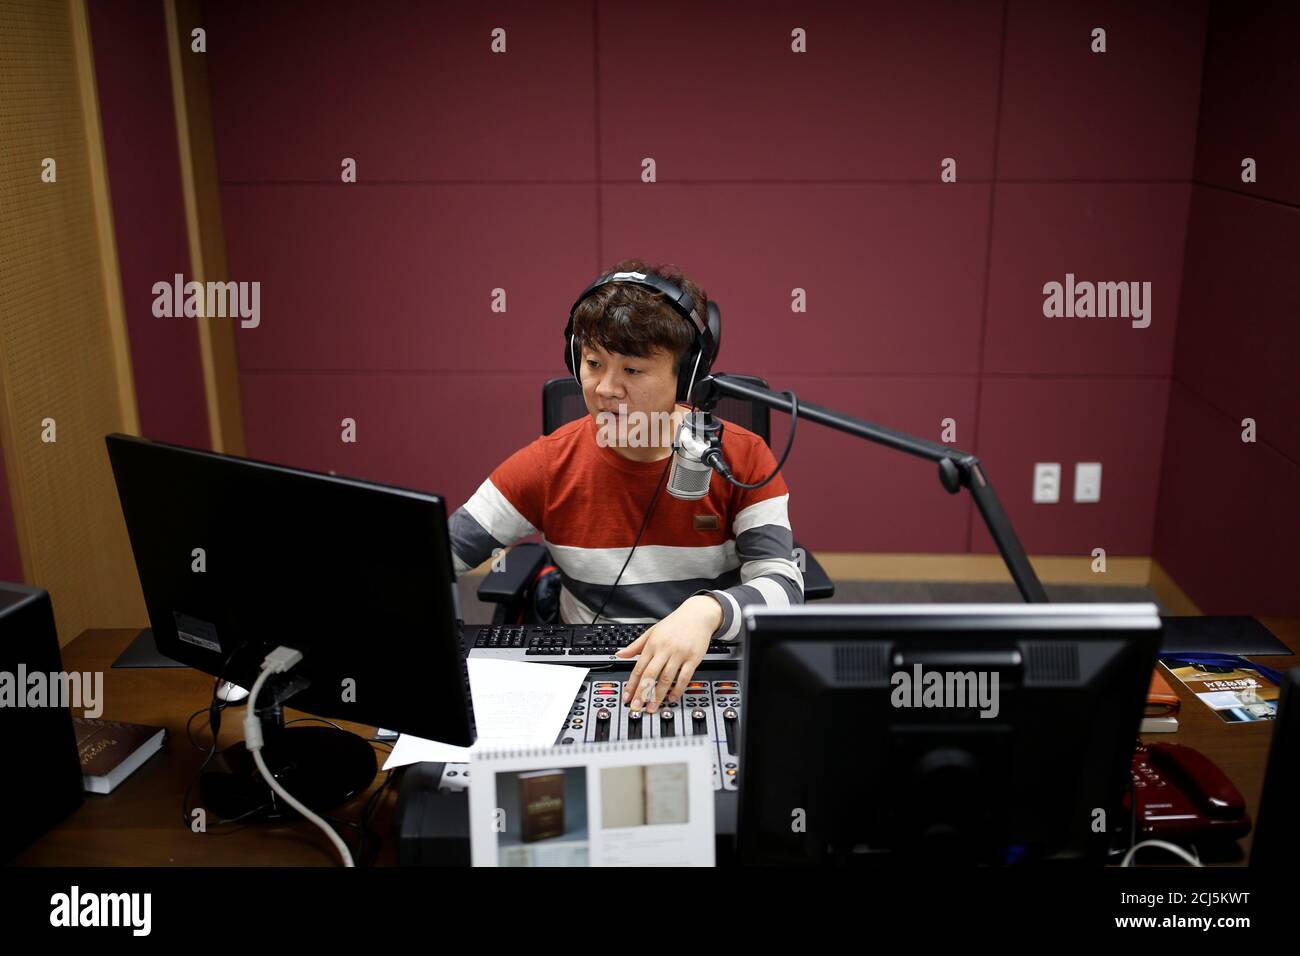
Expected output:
(615, 746)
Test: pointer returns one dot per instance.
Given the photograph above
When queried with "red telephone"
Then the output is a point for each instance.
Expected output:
(1183, 797)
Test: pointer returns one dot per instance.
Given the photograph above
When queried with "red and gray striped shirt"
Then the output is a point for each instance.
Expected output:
(587, 501)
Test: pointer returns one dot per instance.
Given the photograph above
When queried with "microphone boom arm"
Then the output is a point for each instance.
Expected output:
(957, 469)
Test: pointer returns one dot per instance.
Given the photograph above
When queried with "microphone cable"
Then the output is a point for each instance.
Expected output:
(645, 520)
(725, 471)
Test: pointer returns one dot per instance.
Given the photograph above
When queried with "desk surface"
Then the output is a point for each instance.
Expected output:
(139, 823)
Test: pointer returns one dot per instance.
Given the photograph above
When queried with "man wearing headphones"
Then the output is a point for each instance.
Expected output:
(637, 341)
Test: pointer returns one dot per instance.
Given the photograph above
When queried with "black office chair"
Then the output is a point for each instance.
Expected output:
(562, 402)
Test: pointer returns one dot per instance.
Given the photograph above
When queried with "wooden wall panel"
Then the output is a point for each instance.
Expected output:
(63, 347)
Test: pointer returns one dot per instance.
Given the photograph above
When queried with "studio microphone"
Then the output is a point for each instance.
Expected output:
(697, 453)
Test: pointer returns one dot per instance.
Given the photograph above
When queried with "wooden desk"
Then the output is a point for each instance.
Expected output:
(1240, 750)
(139, 824)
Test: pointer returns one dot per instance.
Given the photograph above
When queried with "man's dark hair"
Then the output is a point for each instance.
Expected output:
(633, 320)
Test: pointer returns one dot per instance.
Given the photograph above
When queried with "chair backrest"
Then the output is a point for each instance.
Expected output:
(562, 403)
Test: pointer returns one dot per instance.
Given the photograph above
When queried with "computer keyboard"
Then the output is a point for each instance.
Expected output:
(575, 643)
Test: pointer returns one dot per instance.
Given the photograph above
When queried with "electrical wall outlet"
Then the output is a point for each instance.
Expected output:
(1087, 482)
(1047, 483)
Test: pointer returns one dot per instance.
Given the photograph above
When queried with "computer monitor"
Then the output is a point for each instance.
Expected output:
(40, 742)
(1277, 833)
(939, 733)
(237, 557)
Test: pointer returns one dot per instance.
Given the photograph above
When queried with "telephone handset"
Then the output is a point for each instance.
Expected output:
(1183, 797)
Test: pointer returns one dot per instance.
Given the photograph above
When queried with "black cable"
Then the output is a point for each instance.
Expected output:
(214, 708)
(367, 811)
(320, 719)
(362, 825)
(190, 722)
(185, 798)
(794, 423)
(644, 521)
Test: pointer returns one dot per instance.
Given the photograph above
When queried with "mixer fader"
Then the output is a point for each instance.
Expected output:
(710, 708)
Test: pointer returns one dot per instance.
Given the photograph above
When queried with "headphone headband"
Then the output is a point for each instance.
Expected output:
(678, 297)
(707, 329)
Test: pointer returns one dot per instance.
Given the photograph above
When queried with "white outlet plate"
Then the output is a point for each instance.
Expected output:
(1047, 483)
(1087, 482)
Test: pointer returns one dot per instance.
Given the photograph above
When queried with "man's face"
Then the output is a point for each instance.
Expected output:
(610, 380)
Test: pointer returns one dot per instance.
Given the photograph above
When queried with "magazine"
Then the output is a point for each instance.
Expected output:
(1238, 693)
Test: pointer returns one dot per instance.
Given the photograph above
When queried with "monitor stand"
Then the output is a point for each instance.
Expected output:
(322, 767)
(143, 652)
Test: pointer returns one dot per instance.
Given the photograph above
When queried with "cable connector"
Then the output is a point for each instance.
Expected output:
(277, 662)
(253, 739)
(281, 659)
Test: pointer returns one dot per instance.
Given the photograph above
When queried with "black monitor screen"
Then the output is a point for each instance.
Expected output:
(237, 557)
(978, 733)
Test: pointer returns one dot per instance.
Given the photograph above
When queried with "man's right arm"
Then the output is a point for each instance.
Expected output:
(508, 506)
(484, 524)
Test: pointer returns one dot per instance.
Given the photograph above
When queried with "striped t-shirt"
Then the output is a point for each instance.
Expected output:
(587, 501)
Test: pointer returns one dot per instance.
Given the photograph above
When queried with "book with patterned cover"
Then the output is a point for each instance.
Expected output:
(111, 750)
(542, 800)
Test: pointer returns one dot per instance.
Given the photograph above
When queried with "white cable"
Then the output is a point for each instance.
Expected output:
(277, 662)
(691, 387)
(1164, 845)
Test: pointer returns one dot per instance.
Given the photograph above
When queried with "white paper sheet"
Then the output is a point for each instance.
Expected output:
(516, 704)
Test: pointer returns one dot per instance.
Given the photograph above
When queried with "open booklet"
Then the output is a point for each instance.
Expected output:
(1238, 694)
(632, 803)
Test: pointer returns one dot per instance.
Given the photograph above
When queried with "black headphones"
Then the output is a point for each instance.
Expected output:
(699, 357)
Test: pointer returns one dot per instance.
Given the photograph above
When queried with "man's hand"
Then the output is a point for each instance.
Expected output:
(670, 651)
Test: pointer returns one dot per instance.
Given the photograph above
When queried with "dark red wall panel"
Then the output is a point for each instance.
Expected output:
(1228, 521)
(411, 91)
(713, 92)
(1252, 82)
(775, 171)
(1239, 331)
(436, 432)
(1118, 422)
(140, 143)
(1126, 114)
(402, 276)
(849, 495)
(1099, 233)
(893, 273)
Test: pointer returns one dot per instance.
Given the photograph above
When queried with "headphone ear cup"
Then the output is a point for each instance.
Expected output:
(705, 356)
(715, 330)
